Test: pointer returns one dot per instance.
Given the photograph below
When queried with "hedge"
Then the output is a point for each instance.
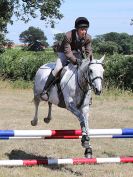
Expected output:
(17, 64)
(22, 65)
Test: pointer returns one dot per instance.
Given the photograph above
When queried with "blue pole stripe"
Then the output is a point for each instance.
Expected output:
(122, 136)
(4, 137)
(6, 133)
(127, 131)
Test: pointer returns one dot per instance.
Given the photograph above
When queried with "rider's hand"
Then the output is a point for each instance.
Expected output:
(78, 62)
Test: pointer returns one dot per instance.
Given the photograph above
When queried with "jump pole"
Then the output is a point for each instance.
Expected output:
(49, 133)
(65, 137)
(72, 161)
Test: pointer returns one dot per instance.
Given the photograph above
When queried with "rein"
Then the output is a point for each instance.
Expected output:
(90, 81)
(85, 80)
(97, 77)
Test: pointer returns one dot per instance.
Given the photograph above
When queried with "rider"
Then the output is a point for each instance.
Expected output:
(75, 43)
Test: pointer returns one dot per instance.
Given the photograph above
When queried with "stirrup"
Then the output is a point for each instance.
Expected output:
(44, 96)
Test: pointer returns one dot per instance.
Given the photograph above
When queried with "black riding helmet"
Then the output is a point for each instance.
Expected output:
(81, 22)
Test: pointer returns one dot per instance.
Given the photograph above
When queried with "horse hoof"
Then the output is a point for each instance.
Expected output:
(88, 153)
(47, 120)
(89, 156)
(33, 123)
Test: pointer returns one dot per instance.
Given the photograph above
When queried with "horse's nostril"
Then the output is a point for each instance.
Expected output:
(97, 92)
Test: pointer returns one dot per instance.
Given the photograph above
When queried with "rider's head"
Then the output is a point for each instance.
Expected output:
(81, 25)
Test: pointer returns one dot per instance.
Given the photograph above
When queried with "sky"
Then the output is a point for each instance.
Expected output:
(104, 16)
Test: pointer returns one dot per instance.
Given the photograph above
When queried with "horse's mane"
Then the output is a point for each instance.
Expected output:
(82, 68)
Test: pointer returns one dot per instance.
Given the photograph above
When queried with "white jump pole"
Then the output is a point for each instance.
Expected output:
(48, 133)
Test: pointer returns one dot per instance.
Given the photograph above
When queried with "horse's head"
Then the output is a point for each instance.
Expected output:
(96, 75)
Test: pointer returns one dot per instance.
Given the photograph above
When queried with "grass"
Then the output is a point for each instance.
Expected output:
(107, 111)
(18, 84)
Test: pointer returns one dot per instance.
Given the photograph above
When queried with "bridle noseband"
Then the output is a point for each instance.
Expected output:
(89, 81)
(93, 79)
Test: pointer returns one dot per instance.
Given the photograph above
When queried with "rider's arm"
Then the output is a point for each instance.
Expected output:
(88, 48)
(67, 49)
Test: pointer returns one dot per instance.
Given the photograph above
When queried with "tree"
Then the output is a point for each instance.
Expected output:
(131, 23)
(6, 8)
(59, 36)
(34, 37)
(113, 42)
(58, 40)
(48, 10)
(25, 9)
(107, 47)
(6, 12)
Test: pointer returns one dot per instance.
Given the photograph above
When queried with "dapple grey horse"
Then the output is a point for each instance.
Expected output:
(74, 88)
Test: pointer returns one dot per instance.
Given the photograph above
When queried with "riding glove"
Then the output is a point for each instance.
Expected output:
(78, 62)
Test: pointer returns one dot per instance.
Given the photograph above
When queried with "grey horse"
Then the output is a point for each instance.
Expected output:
(73, 92)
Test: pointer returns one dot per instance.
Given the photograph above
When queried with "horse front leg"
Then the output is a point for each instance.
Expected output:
(83, 123)
(49, 117)
(85, 138)
(35, 119)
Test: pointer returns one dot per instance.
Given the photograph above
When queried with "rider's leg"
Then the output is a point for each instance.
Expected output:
(51, 79)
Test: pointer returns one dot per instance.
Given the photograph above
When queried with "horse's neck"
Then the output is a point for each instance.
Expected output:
(82, 80)
(79, 73)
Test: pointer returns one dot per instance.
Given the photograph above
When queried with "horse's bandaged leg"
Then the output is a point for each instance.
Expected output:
(75, 111)
(81, 118)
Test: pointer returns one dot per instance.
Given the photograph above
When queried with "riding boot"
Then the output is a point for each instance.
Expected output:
(50, 81)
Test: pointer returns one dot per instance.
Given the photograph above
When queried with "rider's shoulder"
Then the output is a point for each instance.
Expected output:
(88, 36)
(68, 35)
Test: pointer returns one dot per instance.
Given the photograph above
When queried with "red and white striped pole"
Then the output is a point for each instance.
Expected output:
(72, 161)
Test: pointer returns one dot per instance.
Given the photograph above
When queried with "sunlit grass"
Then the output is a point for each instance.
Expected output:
(18, 84)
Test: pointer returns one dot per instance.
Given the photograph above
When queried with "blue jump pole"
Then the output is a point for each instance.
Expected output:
(49, 133)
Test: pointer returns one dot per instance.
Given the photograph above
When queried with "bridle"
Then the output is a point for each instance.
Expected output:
(97, 77)
(88, 80)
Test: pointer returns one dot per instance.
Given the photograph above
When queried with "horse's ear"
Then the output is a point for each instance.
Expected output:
(102, 59)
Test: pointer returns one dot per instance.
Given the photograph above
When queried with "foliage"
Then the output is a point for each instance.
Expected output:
(6, 12)
(119, 72)
(108, 47)
(17, 64)
(31, 35)
(59, 36)
(113, 42)
(35, 46)
(25, 9)
(6, 8)
(58, 40)
(35, 38)
(8, 43)
(131, 22)
(22, 65)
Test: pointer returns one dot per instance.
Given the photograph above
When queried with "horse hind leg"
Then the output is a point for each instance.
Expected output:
(35, 119)
(49, 117)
